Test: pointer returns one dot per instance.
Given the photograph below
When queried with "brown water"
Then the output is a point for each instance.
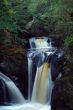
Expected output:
(40, 87)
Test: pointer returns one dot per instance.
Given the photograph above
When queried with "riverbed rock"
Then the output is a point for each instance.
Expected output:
(62, 95)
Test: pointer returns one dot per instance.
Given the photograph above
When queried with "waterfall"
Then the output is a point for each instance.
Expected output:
(39, 89)
(14, 94)
(43, 84)
(16, 99)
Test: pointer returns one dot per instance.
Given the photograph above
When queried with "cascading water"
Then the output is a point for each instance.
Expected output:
(17, 102)
(35, 87)
(42, 87)
(29, 77)
(41, 84)
(13, 93)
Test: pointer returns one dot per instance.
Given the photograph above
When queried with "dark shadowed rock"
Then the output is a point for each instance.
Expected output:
(62, 95)
(13, 63)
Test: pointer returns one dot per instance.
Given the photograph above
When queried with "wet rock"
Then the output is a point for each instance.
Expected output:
(13, 63)
(62, 95)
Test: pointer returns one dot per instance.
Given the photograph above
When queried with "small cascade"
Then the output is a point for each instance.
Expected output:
(13, 92)
(50, 42)
(39, 42)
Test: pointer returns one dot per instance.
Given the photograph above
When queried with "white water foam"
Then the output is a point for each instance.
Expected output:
(27, 106)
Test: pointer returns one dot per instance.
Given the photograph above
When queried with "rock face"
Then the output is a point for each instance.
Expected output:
(62, 95)
(13, 63)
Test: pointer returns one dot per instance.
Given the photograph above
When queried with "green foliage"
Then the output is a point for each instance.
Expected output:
(53, 12)
(15, 14)
(68, 44)
(6, 16)
(69, 40)
(12, 15)
(20, 41)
